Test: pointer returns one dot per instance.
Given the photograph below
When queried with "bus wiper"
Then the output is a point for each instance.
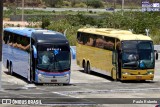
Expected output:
(133, 63)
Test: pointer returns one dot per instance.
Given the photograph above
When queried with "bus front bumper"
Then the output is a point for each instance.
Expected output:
(53, 79)
(42, 77)
(137, 77)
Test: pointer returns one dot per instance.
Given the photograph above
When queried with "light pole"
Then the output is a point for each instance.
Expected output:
(87, 5)
(115, 1)
(122, 7)
(22, 12)
(1, 33)
(147, 32)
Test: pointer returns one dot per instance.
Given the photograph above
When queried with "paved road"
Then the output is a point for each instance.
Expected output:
(82, 86)
(75, 9)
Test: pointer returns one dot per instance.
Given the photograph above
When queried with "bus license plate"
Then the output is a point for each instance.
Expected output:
(53, 80)
(139, 77)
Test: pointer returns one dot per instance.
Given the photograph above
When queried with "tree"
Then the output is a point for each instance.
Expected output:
(45, 22)
(53, 3)
(95, 3)
(12, 8)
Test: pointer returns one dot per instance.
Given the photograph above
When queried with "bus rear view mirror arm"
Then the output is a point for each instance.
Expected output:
(34, 51)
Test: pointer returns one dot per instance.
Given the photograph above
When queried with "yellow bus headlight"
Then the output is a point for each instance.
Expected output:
(126, 73)
(149, 72)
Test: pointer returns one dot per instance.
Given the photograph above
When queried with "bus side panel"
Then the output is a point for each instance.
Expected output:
(79, 55)
(100, 59)
(7, 54)
(20, 62)
(18, 58)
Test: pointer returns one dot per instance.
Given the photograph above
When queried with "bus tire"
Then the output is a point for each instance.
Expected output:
(88, 68)
(7, 64)
(85, 67)
(112, 76)
(10, 69)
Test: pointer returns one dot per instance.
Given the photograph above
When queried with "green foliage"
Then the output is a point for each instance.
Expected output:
(45, 22)
(137, 21)
(81, 4)
(94, 3)
(61, 26)
(66, 4)
(11, 8)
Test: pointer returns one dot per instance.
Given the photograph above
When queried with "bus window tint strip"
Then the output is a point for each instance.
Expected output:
(98, 41)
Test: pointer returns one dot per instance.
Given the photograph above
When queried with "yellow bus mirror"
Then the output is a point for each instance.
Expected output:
(156, 54)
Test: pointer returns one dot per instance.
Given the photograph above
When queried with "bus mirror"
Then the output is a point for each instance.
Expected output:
(156, 54)
(34, 51)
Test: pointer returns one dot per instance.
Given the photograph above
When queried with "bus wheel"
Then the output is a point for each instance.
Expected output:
(10, 69)
(85, 67)
(7, 64)
(88, 68)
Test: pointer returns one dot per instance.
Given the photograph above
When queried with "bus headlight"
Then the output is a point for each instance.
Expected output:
(40, 75)
(126, 73)
(149, 72)
(66, 75)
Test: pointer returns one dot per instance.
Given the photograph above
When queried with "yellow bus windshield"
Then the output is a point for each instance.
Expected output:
(137, 54)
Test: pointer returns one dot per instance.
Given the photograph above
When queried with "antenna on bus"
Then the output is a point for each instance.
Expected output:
(131, 30)
(65, 32)
(147, 32)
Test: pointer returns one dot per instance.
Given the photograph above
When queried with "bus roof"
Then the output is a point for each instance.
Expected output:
(38, 34)
(46, 36)
(115, 33)
(23, 31)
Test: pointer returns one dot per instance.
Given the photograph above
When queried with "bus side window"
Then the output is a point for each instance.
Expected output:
(100, 42)
(109, 43)
(24, 43)
(79, 38)
(90, 40)
(6, 37)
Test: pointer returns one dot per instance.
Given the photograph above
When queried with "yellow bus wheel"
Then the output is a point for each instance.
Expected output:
(88, 68)
(85, 68)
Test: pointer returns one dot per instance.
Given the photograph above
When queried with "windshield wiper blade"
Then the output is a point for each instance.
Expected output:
(133, 63)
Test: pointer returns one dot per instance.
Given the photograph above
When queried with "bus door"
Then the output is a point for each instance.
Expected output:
(119, 64)
(114, 69)
(116, 61)
(33, 57)
(119, 58)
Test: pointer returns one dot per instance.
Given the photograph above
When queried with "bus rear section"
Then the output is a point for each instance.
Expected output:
(50, 58)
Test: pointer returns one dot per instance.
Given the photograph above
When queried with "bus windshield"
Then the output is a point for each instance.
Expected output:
(53, 58)
(137, 54)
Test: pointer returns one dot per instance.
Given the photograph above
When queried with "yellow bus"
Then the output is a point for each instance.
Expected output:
(116, 53)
